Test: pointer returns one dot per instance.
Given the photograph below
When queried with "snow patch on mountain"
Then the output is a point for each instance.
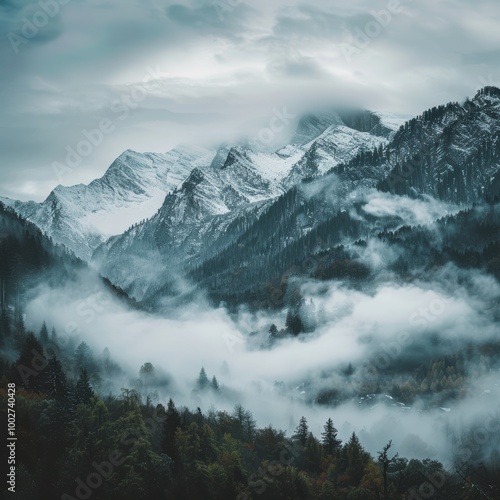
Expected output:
(132, 190)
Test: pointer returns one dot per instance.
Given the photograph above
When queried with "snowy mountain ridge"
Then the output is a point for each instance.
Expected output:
(235, 227)
(209, 209)
(134, 187)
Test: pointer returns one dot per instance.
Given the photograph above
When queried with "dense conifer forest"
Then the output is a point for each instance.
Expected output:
(78, 441)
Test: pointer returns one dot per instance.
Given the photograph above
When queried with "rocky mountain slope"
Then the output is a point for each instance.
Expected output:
(235, 221)
(132, 189)
(444, 160)
(212, 207)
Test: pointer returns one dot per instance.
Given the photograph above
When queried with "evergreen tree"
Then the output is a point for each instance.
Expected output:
(312, 455)
(83, 392)
(172, 423)
(146, 373)
(19, 331)
(301, 432)
(293, 323)
(203, 381)
(215, 384)
(53, 336)
(349, 370)
(31, 364)
(44, 334)
(56, 384)
(356, 459)
(273, 335)
(84, 356)
(329, 438)
(244, 424)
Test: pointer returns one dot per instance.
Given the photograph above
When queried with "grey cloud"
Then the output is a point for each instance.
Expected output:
(490, 57)
(27, 20)
(317, 23)
(229, 19)
(223, 71)
(298, 67)
(352, 318)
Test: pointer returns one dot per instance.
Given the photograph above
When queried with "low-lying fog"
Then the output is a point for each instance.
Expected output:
(391, 324)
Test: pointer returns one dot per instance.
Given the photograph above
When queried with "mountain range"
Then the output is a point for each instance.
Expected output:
(233, 221)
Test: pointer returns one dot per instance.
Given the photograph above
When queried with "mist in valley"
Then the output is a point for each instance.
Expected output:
(362, 341)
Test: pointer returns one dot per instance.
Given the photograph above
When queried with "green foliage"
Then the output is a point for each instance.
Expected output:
(68, 435)
(301, 432)
(83, 391)
(329, 438)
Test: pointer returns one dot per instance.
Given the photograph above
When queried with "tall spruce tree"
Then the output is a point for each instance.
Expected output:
(56, 384)
(83, 392)
(329, 438)
(301, 432)
(44, 334)
(202, 381)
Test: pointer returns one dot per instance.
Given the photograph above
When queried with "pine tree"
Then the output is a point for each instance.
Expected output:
(349, 370)
(53, 337)
(19, 331)
(56, 380)
(203, 381)
(84, 356)
(329, 438)
(244, 424)
(44, 334)
(31, 364)
(356, 459)
(172, 423)
(294, 323)
(83, 391)
(146, 372)
(215, 384)
(301, 432)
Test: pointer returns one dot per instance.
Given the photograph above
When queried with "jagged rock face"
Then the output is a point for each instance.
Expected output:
(338, 144)
(313, 125)
(132, 190)
(233, 217)
(211, 208)
(237, 220)
(451, 152)
(324, 212)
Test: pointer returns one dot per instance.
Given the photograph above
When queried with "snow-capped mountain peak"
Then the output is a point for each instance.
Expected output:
(131, 190)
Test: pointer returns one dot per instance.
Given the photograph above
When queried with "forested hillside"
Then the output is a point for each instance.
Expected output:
(76, 440)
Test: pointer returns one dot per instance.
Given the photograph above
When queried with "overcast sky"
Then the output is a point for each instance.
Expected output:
(214, 70)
